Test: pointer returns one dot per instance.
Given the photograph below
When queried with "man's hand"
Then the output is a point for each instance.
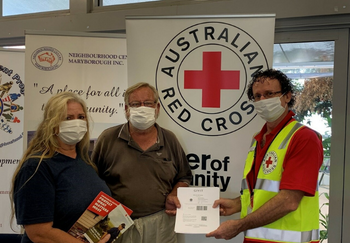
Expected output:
(231, 228)
(227, 230)
(171, 204)
(227, 206)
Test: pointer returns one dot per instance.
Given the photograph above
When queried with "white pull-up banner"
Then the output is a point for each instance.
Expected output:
(201, 66)
(11, 126)
(91, 65)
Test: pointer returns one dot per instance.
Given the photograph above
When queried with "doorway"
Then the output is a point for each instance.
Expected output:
(310, 66)
(318, 55)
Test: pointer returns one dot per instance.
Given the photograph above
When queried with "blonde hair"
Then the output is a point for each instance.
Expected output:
(44, 143)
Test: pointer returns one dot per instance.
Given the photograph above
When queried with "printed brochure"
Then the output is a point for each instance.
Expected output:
(104, 216)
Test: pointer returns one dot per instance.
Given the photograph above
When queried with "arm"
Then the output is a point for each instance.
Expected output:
(44, 232)
(283, 203)
(172, 202)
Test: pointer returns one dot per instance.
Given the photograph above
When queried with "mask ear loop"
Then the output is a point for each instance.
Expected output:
(281, 97)
(283, 94)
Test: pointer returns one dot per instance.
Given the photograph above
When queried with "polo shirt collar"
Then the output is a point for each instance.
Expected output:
(125, 135)
(280, 125)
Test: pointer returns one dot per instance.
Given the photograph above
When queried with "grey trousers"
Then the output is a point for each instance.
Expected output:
(154, 228)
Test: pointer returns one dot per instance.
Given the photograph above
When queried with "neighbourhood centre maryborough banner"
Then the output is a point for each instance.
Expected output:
(201, 66)
(11, 126)
(92, 66)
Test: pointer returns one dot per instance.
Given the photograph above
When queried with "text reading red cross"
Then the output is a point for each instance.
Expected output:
(268, 162)
(211, 79)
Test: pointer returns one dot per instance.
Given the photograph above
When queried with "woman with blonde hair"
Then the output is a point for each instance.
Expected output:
(55, 180)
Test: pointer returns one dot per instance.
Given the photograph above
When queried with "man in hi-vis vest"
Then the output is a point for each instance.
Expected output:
(279, 196)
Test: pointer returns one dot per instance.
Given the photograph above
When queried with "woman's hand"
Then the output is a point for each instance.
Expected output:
(105, 238)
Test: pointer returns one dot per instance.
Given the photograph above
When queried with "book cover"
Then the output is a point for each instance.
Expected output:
(103, 214)
(115, 224)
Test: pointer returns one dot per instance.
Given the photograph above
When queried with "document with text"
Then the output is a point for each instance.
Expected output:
(197, 215)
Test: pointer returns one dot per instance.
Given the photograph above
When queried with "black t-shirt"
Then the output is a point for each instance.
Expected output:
(59, 191)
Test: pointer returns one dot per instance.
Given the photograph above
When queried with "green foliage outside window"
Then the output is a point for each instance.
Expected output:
(324, 219)
(315, 97)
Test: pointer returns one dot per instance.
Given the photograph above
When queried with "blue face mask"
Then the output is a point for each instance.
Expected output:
(269, 109)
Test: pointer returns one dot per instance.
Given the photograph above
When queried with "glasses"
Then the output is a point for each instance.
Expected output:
(137, 104)
(267, 95)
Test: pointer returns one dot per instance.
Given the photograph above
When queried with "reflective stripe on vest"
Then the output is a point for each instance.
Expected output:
(266, 185)
(263, 184)
(283, 235)
(285, 141)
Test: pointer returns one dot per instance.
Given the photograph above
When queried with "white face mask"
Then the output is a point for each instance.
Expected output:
(142, 117)
(269, 109)
(72, 131)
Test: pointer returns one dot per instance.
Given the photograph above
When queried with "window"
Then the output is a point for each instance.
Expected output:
(120, 2)
(310, 66)
(17, 7)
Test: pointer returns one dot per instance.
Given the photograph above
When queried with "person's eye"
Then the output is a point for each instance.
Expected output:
(269, 94)
(135, 104)
(149, 103)
(257, 96)
(82, 117)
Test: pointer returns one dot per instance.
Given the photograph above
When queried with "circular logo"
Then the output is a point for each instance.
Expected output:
(270, 162)
(202, 75)
(11, 107)
(47, 58)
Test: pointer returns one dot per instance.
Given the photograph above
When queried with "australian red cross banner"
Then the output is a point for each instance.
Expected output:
(201, 66)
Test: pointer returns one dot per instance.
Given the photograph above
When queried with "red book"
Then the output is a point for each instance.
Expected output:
(95, 220)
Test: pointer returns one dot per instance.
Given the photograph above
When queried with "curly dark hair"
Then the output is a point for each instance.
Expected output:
(285, 82)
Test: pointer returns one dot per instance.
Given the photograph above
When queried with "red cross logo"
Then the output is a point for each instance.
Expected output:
(211, 79)
(268, 162)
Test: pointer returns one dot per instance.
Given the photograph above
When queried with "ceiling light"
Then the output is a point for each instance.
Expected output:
(14, 47)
